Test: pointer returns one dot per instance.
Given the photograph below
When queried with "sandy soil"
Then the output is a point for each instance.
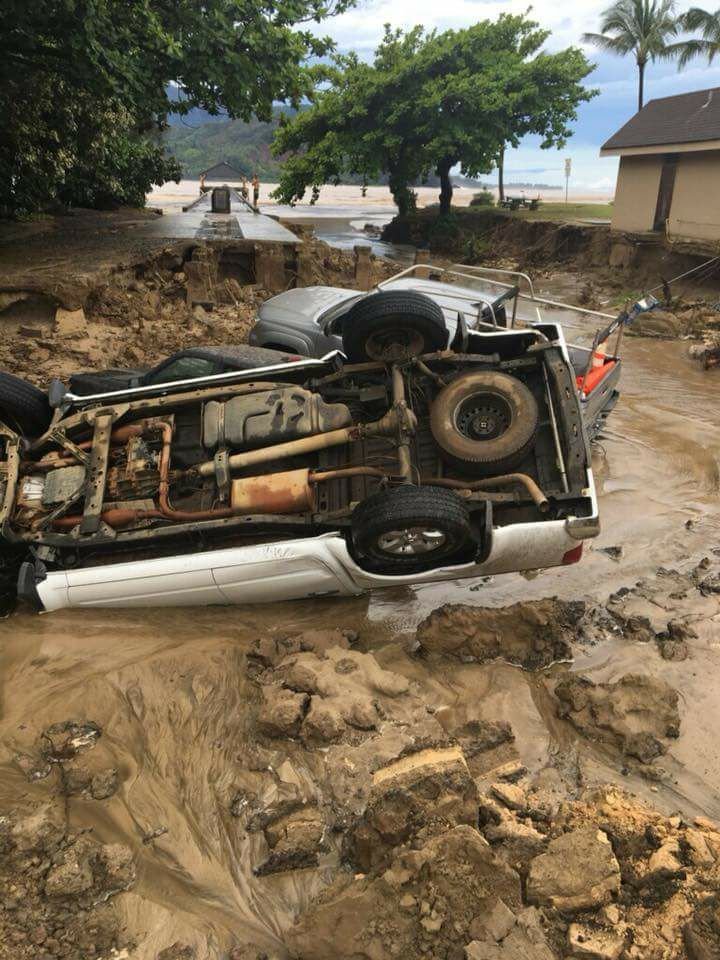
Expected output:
(171, 196)
(441, 772)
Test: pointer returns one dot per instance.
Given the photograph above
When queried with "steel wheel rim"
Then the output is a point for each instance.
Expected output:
(411, 541)
(483, 416)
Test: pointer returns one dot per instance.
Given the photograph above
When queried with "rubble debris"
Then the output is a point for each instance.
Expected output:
(282, 712)
(57, 887)
(532, 634)
(428, 790)
(637, 714)
(423, 904)
(702, 933)
(294, 841)
(595, 943)
(64, 741)
(577, 872)
(524, 940)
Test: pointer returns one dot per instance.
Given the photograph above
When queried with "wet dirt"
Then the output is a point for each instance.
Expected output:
(205, 795)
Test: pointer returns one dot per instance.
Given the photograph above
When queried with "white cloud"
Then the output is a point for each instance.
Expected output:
(361, 28)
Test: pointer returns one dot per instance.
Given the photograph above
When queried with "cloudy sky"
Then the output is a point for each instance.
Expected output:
(616, 78)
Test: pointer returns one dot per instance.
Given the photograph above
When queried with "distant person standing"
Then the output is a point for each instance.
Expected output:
(203, 188)
(256, 190)
(244, 189)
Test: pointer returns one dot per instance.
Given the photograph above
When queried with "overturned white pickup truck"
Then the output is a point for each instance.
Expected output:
(408, 457)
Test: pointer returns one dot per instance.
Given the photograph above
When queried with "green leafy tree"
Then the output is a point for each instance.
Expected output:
(429, 103)
(87, 84)
(639, 27)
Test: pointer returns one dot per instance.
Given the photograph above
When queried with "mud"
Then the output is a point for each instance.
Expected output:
(423, 773)
(135, 309)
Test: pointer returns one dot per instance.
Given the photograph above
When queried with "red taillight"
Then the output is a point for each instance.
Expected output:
(573, 556)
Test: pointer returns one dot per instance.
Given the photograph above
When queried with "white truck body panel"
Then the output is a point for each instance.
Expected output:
(290, 570)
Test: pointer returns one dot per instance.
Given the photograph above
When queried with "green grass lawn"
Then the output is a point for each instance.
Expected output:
(567, 211)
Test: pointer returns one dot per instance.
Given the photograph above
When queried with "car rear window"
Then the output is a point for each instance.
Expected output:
(183, 368)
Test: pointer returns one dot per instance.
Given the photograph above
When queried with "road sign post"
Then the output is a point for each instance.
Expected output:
(568, 168)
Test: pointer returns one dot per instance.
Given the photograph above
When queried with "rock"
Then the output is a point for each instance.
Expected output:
(64, 741)
(643, 746)
(702, 933)
(699, 851)
(578, 872)
(479, 736)
(75, 780)
(430, 788)
(511, 795)
(282, 712)
(104, 784)
(635, 714)
(499, 920)
(41, 833)
(294, 841)
(177, 951)
(676, 650)
(360, 714)
(525, 941)
(594, 944)
(680, 631)
(665, 862)
(322, 722)
(70, 324)
(533, 634)
(520, 842)
(72, 876)
(115, 867)
(510, 772)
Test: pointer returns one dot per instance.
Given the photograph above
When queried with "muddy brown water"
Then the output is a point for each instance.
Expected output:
(168, 687)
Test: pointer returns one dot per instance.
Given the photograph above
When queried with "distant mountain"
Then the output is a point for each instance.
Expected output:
(200, 140)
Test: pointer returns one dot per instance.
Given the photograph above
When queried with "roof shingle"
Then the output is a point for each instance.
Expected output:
(685, 118)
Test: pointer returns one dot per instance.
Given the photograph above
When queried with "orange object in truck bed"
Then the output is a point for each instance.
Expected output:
(594, 377)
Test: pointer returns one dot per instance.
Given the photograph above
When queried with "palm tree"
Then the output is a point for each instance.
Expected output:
(642, 27)
(708, 45)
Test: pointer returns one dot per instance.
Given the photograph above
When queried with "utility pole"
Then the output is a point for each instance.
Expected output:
(568, 168)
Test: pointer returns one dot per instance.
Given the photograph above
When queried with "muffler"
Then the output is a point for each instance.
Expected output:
(288, 492)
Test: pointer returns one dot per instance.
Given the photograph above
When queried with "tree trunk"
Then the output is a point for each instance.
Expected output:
(404, 197)
(501, 170)
(641, 84)
(446, 190)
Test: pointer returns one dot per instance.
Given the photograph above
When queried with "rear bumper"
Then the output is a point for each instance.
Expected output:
(273, 572)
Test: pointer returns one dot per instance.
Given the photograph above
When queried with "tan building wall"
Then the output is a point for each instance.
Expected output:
(636, 193)
(695, 209)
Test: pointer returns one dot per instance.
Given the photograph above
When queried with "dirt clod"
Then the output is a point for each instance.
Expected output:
(533, 634)
(577, 872)
(637, 714)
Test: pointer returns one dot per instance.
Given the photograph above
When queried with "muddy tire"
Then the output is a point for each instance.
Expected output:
(393, 325)
(484, 422)
(411, 529)
(23, 407)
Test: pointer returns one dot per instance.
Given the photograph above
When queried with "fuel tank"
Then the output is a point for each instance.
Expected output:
(274, 416)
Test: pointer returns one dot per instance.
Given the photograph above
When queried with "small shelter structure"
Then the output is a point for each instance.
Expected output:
(669, 175)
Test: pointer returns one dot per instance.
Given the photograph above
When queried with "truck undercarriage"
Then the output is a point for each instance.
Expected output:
(436, 449)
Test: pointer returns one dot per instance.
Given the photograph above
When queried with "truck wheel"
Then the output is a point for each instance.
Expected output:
(410, 529)
(485, 422)
(23, 407)
(393, 325)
